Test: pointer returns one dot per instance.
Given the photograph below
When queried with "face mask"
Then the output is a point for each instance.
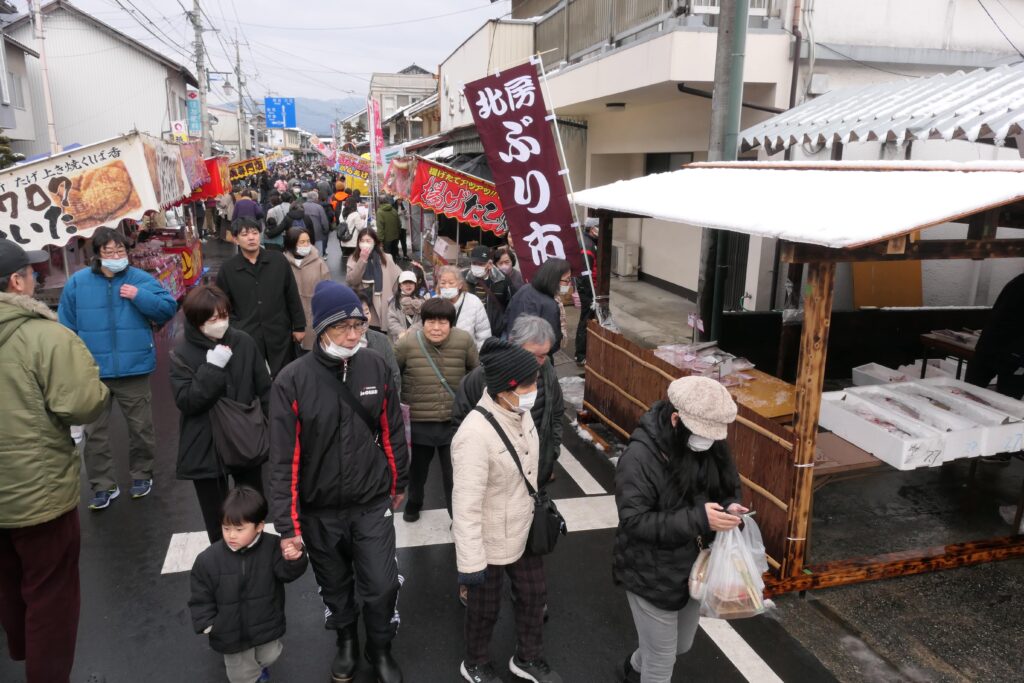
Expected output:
(363, 343)
(115, 265)
(699, 443)
(449, 292)
(339, 352)
(526, 401)
(506, 268)
(564, 289)
(366, 246)
(215, 330)
(303, 251)
(478, 271)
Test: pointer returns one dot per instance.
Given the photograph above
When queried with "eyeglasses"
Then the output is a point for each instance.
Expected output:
(350, 327)
(113, 251)
(566, 280)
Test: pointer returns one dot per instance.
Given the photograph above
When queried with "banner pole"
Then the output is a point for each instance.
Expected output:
(572, 193)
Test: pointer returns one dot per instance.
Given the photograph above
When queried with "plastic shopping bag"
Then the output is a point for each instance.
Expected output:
(752, 535)
(734, 588)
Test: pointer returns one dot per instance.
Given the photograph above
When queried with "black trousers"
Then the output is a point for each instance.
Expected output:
(392, 248)
(419, 469)
(353, 555)
(403, 235)
(981, 371)
(586, 314)
(212, 492)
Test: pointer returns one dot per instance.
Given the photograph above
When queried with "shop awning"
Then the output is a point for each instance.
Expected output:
(986, 105)
(836, 204)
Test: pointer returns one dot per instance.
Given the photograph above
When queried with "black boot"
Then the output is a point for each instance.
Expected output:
(343, 669)
(384, 665)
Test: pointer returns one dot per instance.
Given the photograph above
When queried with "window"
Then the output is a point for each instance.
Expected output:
(17, 90)
(403, 100)
(661, 162)
(182, 108)
(389, 106)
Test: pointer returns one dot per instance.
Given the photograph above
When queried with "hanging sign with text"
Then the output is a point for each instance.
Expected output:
(513, 124)
(458, 195)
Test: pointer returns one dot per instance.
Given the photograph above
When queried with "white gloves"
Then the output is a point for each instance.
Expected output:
(218, 355)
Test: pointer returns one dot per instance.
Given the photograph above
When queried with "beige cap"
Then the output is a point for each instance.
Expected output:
(704, 405)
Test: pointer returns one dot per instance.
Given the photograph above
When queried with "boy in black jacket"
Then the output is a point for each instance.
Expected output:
(238, 589)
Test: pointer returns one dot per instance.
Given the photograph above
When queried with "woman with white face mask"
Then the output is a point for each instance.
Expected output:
(370, 270)
(676, 485)
(308, 269)
(551, 281)
(470, 314)
(213, 361)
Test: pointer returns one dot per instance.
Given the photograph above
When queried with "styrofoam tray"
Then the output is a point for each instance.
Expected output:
(873, 373)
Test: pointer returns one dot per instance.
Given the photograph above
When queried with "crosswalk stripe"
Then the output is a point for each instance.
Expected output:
(579, 474)
(742, 656)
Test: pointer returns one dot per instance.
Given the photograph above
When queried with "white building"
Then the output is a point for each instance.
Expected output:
(226, 132)
(103, 82)
(399, 90)
(16, 105)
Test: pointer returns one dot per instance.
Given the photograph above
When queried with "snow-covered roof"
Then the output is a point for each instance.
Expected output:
(442, 153)
(834, 204)
(986, 105)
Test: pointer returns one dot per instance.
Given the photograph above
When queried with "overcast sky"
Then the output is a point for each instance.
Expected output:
(300, 51)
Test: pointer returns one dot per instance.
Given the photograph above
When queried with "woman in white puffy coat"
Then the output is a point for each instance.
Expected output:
(472, 316)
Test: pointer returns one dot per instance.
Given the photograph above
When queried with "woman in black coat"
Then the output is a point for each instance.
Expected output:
(675, 486)
(552, 279)
(210, 362)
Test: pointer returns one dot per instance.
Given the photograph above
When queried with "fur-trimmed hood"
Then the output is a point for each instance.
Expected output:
(15, 309)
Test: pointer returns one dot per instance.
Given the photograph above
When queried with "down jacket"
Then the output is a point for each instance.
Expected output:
(241, 593)
(428, 401)
(656, 542)
(49, 382)
(472, 317)
(491, 507)
(118, 331)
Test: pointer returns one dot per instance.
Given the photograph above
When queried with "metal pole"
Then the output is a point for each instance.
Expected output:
(51, 126)
(572, 194)
(204, 114)
(242, 133)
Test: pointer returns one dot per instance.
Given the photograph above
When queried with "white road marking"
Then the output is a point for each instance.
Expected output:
(742, 656)
(579, 474)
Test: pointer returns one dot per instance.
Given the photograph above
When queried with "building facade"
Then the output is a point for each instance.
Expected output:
(397, 91)
(16, 105)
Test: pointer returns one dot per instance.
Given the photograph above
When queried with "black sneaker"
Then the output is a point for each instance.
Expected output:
(630, 675)
(537, 671)
(412, 516)
(479, 673)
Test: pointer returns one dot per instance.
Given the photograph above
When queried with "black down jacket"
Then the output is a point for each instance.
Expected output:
(656, 542)
(198, 385)
(241, 594)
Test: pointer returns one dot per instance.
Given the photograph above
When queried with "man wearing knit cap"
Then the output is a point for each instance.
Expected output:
(338, 470)
(492, 514)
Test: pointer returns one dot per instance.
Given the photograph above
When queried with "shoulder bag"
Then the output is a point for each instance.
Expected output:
(360, 410)
(547, 523)
(433, 365)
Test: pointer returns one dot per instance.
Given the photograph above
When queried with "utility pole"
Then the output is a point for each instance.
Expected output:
(243, 135)
(204, 80)
(726, 106)
(51, 126)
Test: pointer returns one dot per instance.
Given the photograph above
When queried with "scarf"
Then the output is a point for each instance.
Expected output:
(410, 306)
(374, 271)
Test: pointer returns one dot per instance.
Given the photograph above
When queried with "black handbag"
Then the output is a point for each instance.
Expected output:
(548, 522)
(240, 432)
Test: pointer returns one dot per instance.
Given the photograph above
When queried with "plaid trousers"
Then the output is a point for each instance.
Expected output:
(529, 595)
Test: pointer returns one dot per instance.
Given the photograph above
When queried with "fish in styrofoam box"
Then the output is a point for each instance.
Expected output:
(963, 437)
(1001, 432)
(904, 443)
(1009, 437)
(873, 373)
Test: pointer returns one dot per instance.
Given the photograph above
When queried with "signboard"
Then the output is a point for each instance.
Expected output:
(280, 112)
(458, 195)
(179, 130)
(512, 121)
(353, 166)
(71, 194)
(219, 183)
(195, 117)
(376, 135)
(195, 168)
(246, 168)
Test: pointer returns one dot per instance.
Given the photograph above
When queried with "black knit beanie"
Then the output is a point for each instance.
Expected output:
(506, 366)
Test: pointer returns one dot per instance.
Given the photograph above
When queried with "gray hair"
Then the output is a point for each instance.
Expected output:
(531, 329)
(313, 195)
(450, 270)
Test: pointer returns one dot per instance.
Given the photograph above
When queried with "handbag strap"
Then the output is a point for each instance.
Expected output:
(433, 365)
(508, 444)
(359, 408)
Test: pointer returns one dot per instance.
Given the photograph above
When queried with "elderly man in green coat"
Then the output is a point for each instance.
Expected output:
(49, 382)
(389, 227)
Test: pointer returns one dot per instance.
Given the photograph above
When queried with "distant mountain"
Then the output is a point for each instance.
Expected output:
(317, 116)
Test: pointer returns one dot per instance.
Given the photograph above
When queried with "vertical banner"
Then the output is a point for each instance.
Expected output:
(376, 134)
(514, 127)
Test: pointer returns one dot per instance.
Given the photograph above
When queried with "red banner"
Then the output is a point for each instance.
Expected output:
(512, 121)
(458, 195)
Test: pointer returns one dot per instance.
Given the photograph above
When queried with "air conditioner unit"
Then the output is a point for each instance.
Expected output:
(625, 259)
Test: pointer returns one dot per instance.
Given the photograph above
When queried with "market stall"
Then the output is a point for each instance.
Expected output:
(848, 212)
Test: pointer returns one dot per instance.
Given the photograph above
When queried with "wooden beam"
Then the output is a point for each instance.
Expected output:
(983, 226)
(817, 297)
(906, 563)
(922, 250)
(603, 283)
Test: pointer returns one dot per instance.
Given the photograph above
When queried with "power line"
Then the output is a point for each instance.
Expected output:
(1000, 28)
(366, 26)
(854, 59)
(168, 42)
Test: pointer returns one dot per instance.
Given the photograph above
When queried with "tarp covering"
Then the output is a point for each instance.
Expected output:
(833, 204)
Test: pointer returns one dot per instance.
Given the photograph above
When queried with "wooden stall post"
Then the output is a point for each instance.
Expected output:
(602, 286)
(818, 293)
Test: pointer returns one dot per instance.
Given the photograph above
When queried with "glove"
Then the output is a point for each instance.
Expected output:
(206, 631)
(472, 579)
(218, 355)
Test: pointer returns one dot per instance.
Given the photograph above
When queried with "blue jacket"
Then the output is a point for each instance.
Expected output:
(118, 331)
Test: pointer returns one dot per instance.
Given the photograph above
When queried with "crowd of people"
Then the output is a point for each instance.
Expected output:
(320, 406)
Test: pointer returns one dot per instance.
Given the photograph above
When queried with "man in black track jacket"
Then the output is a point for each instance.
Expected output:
(339, 465)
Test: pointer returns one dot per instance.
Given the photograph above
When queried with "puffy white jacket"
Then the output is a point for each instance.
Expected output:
(491, 507)
(473, 318)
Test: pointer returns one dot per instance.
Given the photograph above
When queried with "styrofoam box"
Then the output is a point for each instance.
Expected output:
(903, 453)
(1010, 437)
(1001, 432)
(447, 249)
(873, 373)
(963, 437)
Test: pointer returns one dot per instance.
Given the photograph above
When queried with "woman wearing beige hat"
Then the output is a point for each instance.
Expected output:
(675, 486)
